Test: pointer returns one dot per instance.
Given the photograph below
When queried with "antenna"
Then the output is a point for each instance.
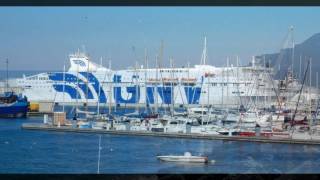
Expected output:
(204, 52)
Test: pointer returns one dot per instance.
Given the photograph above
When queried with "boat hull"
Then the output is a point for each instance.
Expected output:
(16, 110)
(192, 159)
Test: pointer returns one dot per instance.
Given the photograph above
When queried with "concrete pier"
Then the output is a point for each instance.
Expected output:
(45, 127)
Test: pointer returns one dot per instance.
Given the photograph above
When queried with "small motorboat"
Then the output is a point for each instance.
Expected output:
(187, 157)
(84, 125)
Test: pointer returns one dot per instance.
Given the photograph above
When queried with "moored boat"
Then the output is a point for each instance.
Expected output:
(12, 105)
(187, 157)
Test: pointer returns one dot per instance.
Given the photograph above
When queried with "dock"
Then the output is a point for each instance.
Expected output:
(32, 114)
(46, 127)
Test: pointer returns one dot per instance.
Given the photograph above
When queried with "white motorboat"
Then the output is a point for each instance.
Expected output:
(249, 117)
(99, 125)
(84, 125)
(207, 115)
(231, 117)
(205, 129)
(187, 157)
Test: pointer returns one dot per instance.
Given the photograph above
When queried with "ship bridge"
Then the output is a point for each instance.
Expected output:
(80, 62)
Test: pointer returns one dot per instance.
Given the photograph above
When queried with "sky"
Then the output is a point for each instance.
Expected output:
(41, 38)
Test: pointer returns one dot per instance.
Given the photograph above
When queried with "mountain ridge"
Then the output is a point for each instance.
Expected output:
(308, 49)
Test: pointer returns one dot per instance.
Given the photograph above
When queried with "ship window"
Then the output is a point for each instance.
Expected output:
(214, 84)
(225, 84)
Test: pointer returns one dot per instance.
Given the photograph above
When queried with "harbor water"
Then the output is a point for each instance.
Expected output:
(25, 151)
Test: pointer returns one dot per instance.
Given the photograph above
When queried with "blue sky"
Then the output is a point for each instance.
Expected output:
(41, 38)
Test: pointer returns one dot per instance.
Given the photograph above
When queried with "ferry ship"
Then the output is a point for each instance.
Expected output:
(88, 82)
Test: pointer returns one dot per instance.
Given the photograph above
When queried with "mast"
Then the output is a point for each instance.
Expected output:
(208, 90)
(257, 89)
(310, 73)
(87, 89)
(188, 96)
(238, 81)
(172, 88)
(110, 89)
(76, 115)
(161, 54)
(145, 77)
(291, 29)
(136, 84)
(64, 84)
(296, 108)
(156, 88)
(204, 52)
(310, 79)
(300, 69)
(227, 97)
(222, 85)
(317, 80)
(7, 72)
(99, 92)
(264, 89)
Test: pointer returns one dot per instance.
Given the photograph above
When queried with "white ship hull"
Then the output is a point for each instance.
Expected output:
(87, 82)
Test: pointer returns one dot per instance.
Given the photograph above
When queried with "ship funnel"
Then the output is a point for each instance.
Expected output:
(80, 62)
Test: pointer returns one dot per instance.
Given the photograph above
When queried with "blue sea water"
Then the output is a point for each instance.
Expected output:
(27, 151)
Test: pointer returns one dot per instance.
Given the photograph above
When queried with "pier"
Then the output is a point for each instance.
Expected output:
(46, 127)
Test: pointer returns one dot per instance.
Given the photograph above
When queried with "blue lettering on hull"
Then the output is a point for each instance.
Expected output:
(193, 94)
(135, 95)
(82, 85)
(70, 78)
(150, 95)
(96, 86)
(67, 89)
(87, 92)
(165, 94)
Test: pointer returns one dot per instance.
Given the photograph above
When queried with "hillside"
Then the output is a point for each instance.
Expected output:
(310, 48)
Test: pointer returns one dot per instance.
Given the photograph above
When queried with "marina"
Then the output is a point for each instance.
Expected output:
(178, 102)
(299, 140)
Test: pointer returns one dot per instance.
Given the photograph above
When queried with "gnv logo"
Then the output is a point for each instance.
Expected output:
(79, 62)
